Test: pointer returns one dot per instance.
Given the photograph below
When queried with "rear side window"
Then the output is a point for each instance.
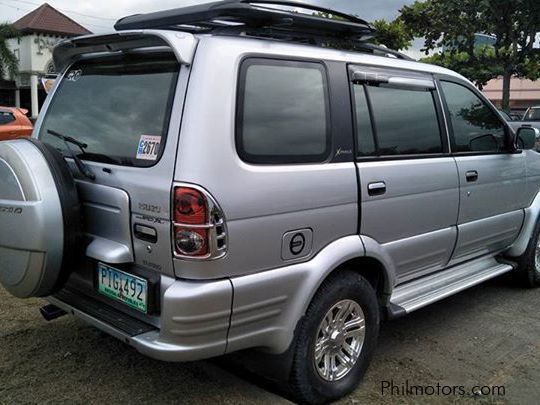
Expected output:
(475, 126)
(283, 112)
(364, 128)
(405, 121)
(6, 117)
(120, 107)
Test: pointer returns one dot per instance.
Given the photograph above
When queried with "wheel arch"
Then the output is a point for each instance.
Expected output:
(532, 214)
(268, 306)
(372, 269)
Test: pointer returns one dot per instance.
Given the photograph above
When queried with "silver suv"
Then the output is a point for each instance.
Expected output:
(236, 175)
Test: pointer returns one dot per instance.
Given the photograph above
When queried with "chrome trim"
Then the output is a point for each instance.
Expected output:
(427, 290)
(339, 341)
(537, 257)
(216, 218)
(206, 226)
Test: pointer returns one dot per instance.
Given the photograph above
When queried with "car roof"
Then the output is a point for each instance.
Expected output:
(317, 52)
(185, 43)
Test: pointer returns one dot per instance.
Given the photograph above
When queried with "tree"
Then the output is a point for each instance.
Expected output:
(394, 35)
(8, 61)
(452, 24)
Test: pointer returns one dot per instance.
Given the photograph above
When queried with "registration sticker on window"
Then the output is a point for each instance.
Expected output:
(148, 148)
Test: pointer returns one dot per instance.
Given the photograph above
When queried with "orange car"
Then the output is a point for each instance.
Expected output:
(14, 123)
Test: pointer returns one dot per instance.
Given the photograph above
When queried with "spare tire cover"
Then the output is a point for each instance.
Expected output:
(39, 218)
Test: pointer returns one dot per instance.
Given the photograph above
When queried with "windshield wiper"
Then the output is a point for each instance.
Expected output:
(84, 169)
(100, 157)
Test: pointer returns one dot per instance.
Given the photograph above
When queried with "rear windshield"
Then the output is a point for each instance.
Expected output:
(119, 108)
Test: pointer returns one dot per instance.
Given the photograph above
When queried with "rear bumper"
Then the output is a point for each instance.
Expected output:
(200, 319)
(194, 320)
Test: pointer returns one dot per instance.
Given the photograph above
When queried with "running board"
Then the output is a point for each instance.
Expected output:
(419, 293)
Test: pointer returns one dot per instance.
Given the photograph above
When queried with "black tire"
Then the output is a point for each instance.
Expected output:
(71, 212)
(527, 270)
(306, 383)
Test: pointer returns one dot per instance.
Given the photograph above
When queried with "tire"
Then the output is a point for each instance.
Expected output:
(307, 380)
(40, 219)
(528, 269)
(71, 212)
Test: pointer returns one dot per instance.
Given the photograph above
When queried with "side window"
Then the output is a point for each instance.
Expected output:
(475, 126)
(6, 117)
(364, 129)
(405, 121)
(283, 112)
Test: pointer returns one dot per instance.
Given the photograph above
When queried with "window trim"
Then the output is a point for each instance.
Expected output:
(438, 111)
(239, 114)
(483, 99)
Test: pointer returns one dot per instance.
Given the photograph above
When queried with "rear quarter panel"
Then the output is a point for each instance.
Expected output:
(260, 202)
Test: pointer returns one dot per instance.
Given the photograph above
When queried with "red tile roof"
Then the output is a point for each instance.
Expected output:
(48, 20)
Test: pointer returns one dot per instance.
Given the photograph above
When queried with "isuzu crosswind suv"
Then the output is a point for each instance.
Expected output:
(238, 176)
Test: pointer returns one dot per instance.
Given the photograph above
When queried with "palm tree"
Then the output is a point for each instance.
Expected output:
(8, 61)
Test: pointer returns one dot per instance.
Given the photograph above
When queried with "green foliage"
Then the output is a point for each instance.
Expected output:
(328, 15)
(480, 67)
(452, 24)
(394, 35)
(8, 61)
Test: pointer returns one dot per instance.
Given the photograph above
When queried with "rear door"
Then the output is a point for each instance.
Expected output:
(408, 180)
(492, 178)
(127, 110)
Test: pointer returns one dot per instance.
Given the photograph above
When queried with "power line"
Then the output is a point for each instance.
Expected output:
(28, 10)
(68, 11)
(14, 7)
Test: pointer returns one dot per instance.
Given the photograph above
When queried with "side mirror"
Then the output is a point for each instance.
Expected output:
(527, 137)
(484, 143)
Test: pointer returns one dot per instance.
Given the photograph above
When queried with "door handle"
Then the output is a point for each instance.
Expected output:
(471, 176)
(146, 233)
(377, 188)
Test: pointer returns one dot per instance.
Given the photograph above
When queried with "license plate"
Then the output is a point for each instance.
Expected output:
(123, 287)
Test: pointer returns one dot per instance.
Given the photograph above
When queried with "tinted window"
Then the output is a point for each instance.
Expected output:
(115, 106)
(405, 121)
(475, 126)
(533, 114)
(6, 117)
(283, 112)
(364, 130)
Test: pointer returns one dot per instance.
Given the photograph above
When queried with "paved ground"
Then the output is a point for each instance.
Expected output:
(489, 335)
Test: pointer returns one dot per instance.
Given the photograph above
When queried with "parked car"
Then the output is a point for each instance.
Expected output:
(235, 184)
(530, 118)
(532, 114)
(512, 116)
(14, 123)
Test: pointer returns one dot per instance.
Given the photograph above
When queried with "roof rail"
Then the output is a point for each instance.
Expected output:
(264, 19)
(253, 14)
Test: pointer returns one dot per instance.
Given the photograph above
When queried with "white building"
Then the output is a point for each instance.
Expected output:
(40, 30)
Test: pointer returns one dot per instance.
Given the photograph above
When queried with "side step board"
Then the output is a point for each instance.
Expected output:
(419, 293)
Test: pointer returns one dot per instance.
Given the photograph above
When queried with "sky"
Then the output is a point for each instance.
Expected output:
(99, 15)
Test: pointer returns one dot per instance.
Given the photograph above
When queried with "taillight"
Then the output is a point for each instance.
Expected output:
(199, 227)
(190, 206)
(191, 242)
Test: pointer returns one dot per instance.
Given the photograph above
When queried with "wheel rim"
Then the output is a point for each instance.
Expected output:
(537, 258)
(340, 339)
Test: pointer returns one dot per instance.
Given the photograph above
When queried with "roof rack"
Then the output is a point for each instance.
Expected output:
(266, 19)
(252, 14)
